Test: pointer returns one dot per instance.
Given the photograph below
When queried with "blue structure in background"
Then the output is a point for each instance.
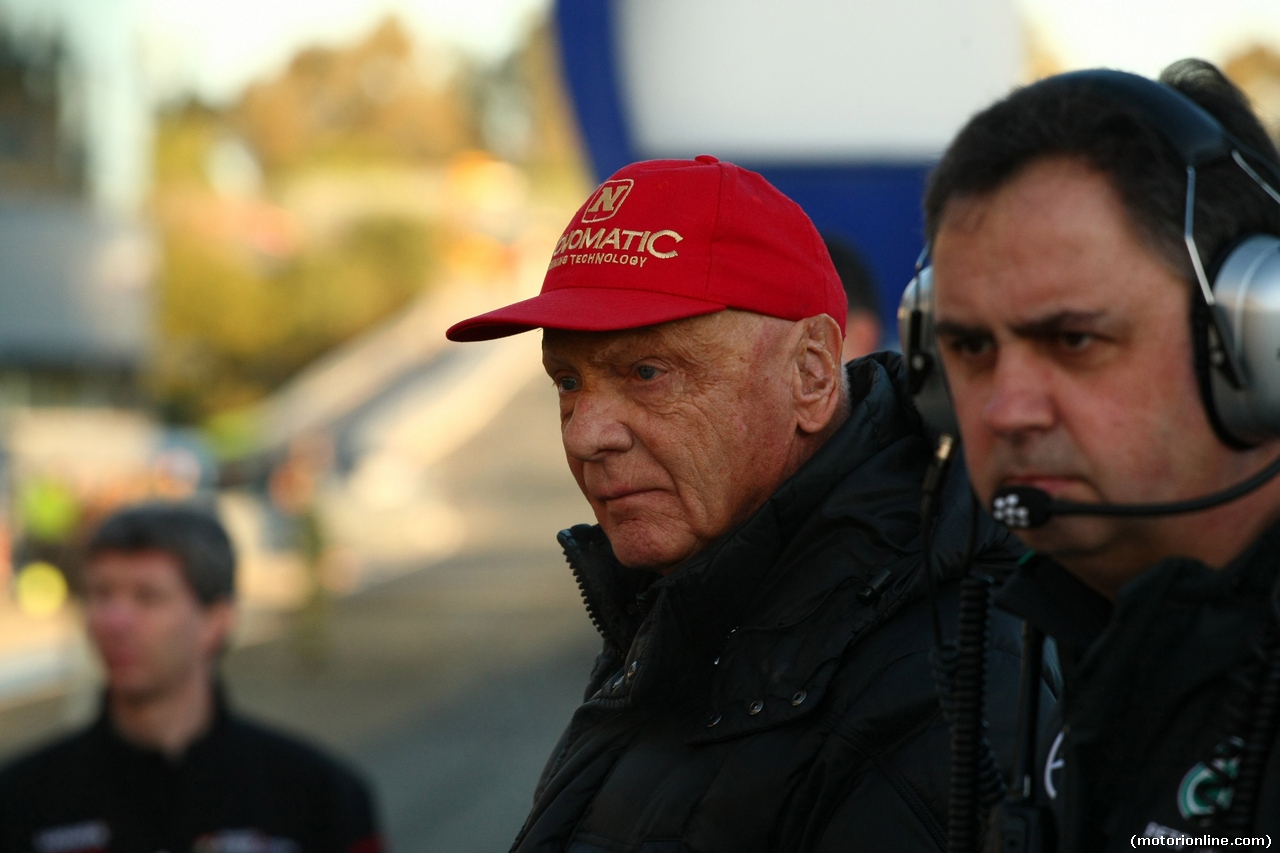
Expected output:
(873, 206)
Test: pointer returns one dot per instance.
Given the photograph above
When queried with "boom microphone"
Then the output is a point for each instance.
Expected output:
(1025, 507)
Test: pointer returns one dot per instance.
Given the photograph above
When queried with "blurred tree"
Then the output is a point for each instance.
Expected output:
(249, 296)
(186, 132)
(381, 98)
(526, 117)
(1256, 70)
(234, 328)
(40, 138)
(554, 139)
(329, 197)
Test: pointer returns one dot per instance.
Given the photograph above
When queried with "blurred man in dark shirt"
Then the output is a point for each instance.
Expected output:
(167, 766)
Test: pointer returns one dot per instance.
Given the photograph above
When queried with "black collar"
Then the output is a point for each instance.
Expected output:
(1055, 601)
(1063, 607)
(106, 728)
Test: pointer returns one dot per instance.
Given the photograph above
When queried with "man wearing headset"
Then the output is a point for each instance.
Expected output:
(1093, 360)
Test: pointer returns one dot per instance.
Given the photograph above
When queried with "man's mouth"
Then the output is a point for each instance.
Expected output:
(119, 663)
(620, 494)
(117, 655)
(1053, 484)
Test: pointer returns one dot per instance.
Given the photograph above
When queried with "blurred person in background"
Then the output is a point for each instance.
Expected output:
(167, 765)
(862, 332)
(294, 487)
(756, 572)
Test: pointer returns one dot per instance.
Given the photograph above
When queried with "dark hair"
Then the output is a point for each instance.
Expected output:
(859, 283)
(193, 535)
(1042, 121)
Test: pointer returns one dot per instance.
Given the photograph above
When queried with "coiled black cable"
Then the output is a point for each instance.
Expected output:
(976, 781)
(934, 477)
(959, 671)
(1261, 734)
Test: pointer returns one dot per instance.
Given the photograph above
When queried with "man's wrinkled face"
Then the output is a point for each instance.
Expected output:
(1066, 343)
(675, 433)
(149, 628)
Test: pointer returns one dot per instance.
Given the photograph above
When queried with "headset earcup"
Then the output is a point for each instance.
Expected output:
(1246, 289)
(1205, 379)
(925, 378)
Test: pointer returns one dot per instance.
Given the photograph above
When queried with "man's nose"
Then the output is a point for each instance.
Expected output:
(1021, 401)
(596, 426)
(113, 615)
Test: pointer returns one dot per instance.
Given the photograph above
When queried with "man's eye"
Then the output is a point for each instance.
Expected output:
(149, 597)
(970, 346)
(1076, 340)
(566, 384)
(647, 372)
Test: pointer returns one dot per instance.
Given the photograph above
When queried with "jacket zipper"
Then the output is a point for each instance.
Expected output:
(569, 546)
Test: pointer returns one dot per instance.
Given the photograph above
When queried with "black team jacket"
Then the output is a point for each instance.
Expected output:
(749, 700)
(238, 787)
(1162, 691)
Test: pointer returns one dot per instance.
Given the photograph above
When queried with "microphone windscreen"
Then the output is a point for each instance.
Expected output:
(1021, 507)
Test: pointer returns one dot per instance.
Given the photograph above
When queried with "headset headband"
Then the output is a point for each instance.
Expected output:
(1196, 135)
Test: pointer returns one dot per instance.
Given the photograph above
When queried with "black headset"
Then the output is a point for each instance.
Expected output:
(1237, 319)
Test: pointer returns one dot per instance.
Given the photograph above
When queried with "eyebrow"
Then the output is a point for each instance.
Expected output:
(1043, 327)
(596, 358)
(626, 349)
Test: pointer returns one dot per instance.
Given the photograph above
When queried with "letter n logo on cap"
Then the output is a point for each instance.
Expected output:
(605, 201)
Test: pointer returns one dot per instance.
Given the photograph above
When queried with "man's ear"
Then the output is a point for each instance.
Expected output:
(219, 620)
(818, 389)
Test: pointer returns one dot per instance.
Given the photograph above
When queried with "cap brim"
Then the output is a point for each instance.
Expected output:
(582, 309)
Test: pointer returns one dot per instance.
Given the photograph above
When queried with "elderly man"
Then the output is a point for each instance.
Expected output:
(1097, 370)
(167, 766)
(756, 573)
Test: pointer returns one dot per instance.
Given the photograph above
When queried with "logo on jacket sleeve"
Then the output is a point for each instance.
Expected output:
(1053, 766)
(606, 200)
(242, 841)
(90, 836)
(1206, 788)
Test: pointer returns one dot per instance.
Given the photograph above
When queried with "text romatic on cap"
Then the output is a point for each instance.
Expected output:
(662, 240)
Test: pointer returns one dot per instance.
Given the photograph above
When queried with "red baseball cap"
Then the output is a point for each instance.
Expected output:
(662, 240)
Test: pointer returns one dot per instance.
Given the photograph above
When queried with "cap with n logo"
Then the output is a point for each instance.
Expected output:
(662, 240)
(606, 200)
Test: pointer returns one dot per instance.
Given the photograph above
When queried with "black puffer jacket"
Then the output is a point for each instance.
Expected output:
(750, 701)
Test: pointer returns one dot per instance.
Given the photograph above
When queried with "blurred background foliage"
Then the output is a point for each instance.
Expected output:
(324, 200)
